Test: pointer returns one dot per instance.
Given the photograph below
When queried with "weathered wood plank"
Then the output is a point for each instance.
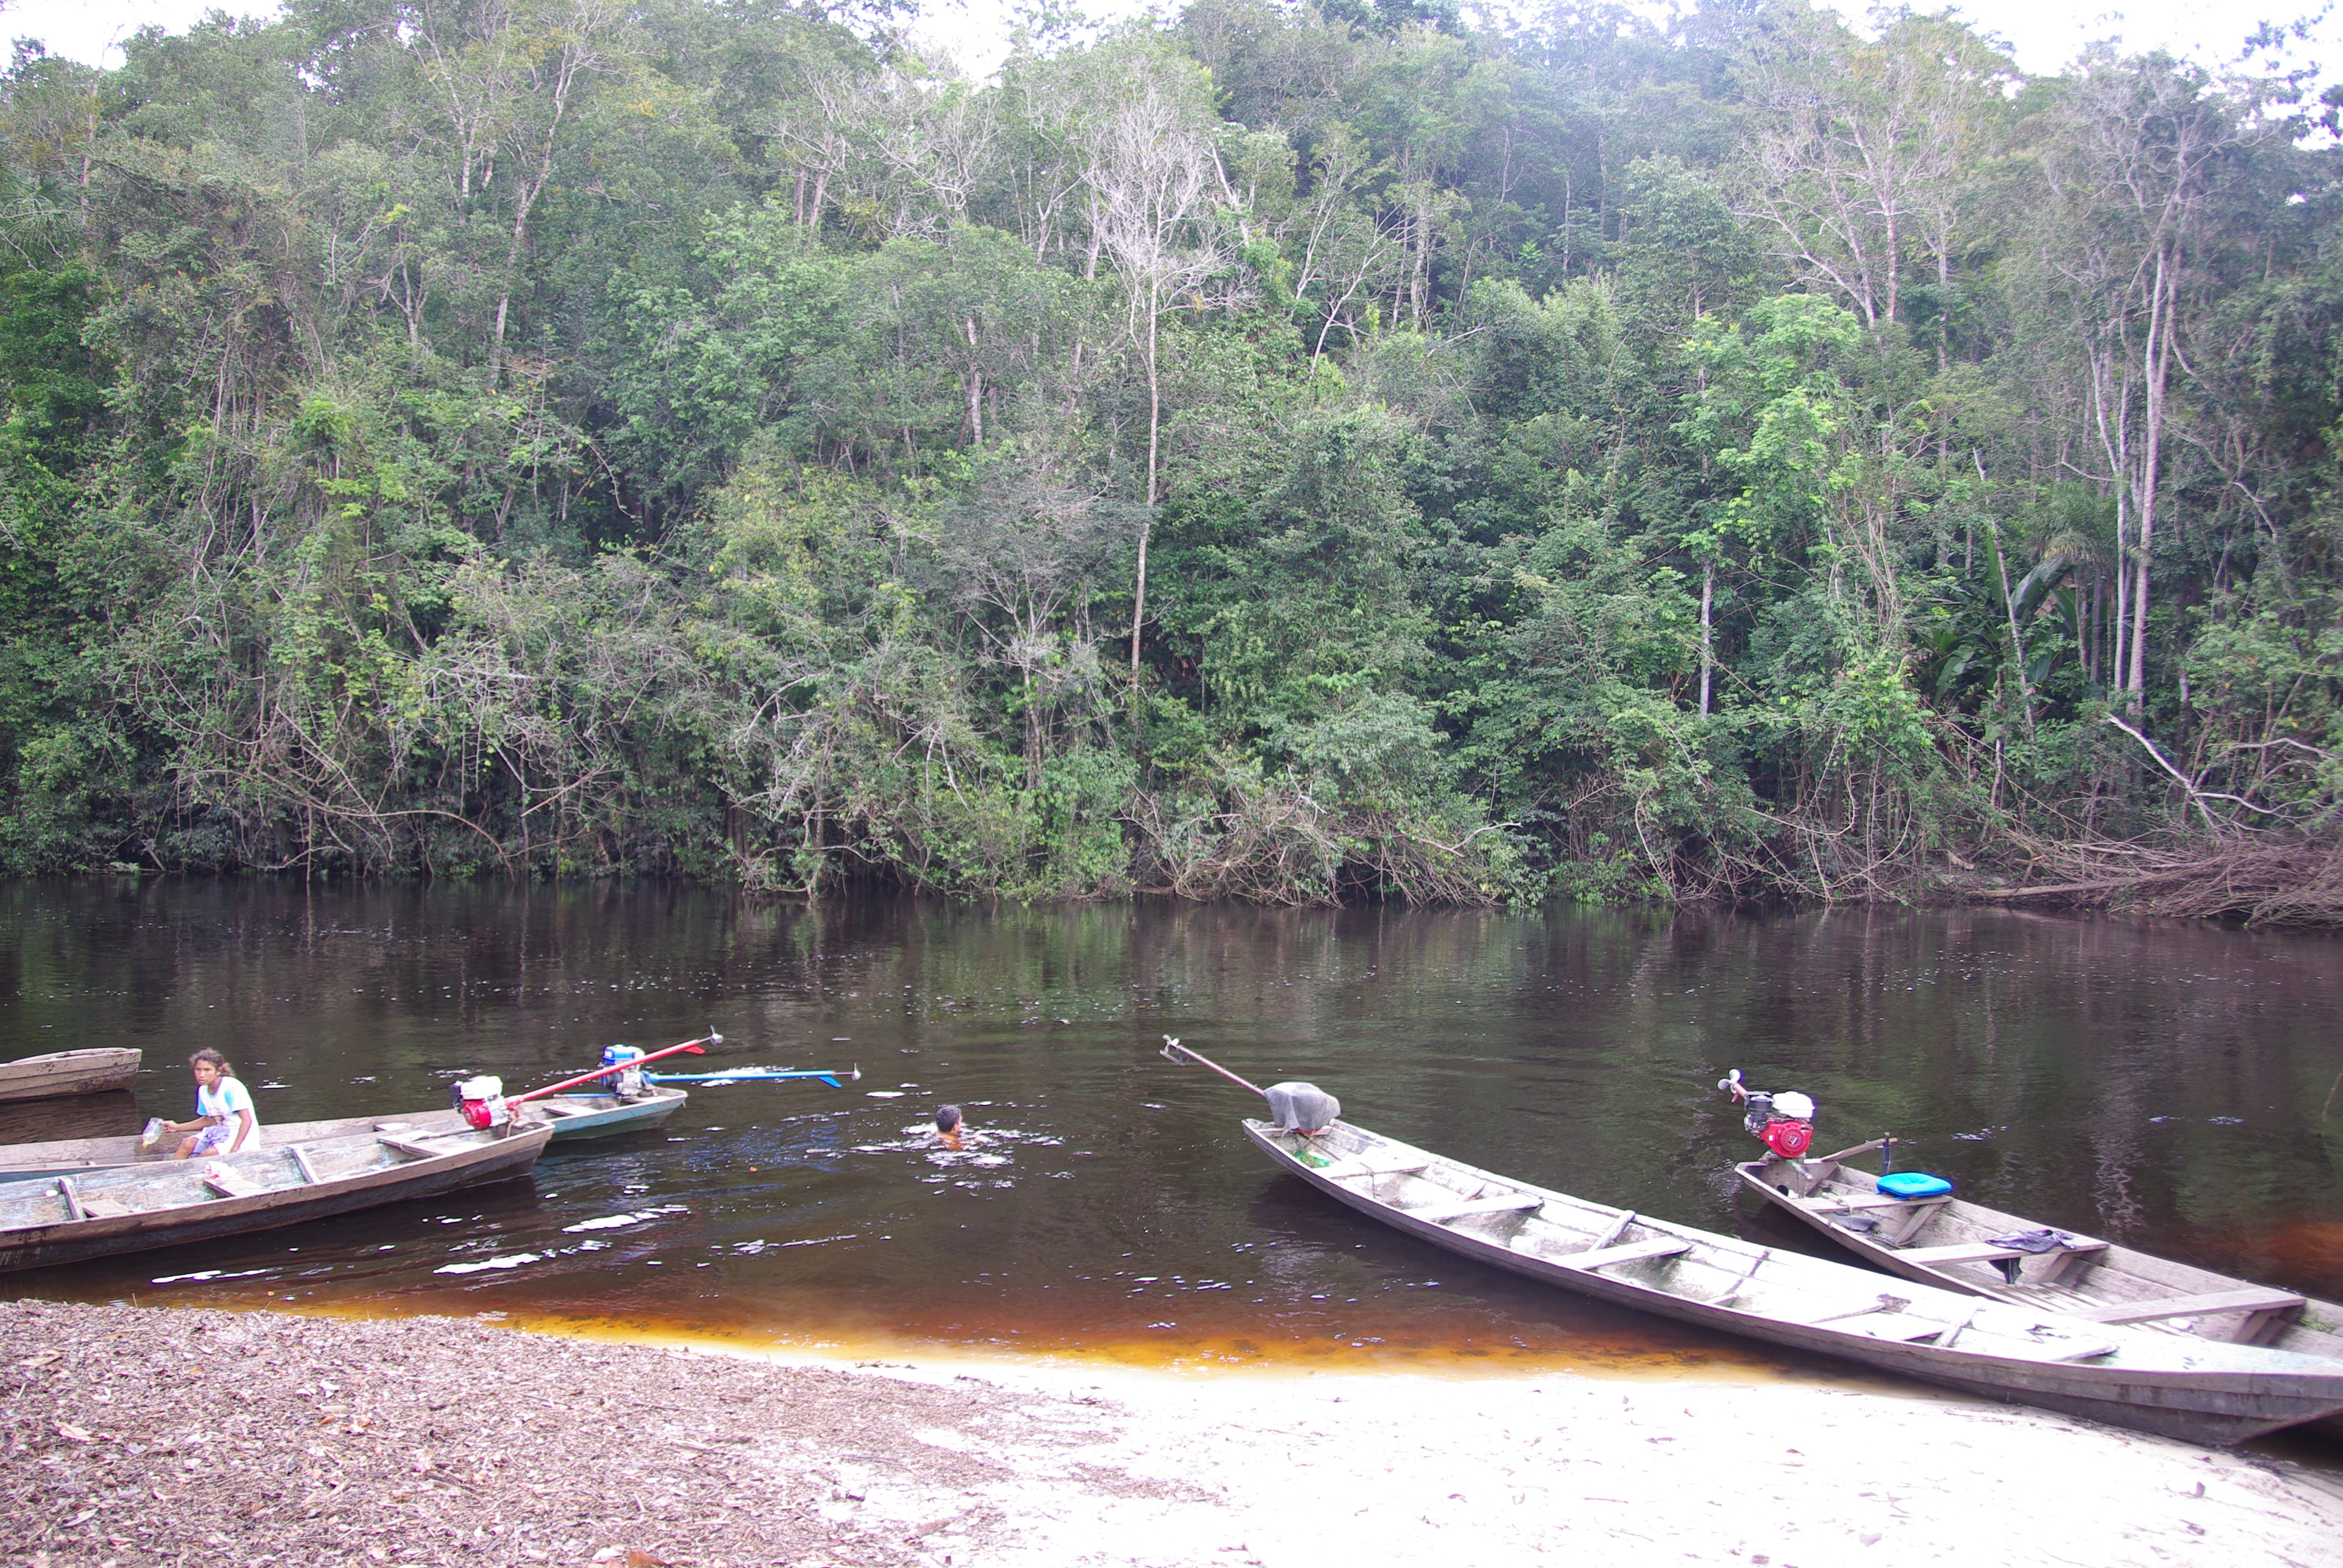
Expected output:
(1417, 1168)
(1448, 1213)
(1633, 1253)
(2210, 1303)
(1876, 1201)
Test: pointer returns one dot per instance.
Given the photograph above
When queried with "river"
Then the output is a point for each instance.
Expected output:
(2161, 1084)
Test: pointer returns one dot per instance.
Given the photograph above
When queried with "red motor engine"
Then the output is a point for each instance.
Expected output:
(481, 1103)
(1784, 1121)
(1788, 1137)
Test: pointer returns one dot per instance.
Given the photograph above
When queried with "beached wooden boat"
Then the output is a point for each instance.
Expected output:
(68, 1218)
(2200, 1389)
(1945, 1241)
(572, 1116)
(62, 1072)
(75, 1156)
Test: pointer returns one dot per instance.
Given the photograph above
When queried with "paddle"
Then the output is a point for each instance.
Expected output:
(1171, 1045)
(829, 1075)
(693, 1046)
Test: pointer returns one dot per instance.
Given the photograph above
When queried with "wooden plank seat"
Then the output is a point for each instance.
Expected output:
(232, 1183)
(1868, 1201)
(1880, 1303)
(1417, 1168)
(1866, 1320)
(1987, 1253)
(2211, 1303)
(1448, 1213)
(1633, 1253)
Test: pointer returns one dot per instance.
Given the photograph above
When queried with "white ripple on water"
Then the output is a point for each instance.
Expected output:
(511, 1260)
(612, 1222)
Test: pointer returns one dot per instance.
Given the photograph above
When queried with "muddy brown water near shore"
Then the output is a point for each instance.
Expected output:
(2157, 1083)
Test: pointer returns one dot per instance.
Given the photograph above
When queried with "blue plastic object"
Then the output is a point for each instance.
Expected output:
(746, 1074)
(1913, 1184)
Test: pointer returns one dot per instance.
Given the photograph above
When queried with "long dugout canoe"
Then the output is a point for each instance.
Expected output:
(1947, 1242)
(572, 1116)
(2174, 1385)
(59, 1073)
(71, 1219)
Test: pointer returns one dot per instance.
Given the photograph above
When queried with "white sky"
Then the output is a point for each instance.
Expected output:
(2044, 33)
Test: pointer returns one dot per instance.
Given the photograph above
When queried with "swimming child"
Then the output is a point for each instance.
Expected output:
(950, 1131)
(224, 1120)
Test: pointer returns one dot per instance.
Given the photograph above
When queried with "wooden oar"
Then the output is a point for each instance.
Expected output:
(693, 1046)
(1173, 1050)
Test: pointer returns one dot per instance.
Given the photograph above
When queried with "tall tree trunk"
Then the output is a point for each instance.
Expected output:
(1707, 652)
(1147, 521)
(2159, 366)
(565, 78)
(973, 384)
(1891, 262)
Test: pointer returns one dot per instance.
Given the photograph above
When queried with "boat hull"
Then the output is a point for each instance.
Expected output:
(602, 1115)
(38, 1246)
(2105, 1276)
(72, 1157)
(2215, 1408)
(58, 1074)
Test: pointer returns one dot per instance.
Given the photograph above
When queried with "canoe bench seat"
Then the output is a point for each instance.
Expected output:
(1633, 1253)
(1987, 1253)
(1868, 1201)
(2259, 1305)
(228, 1183)
(1448, 1213)
(1357, 1172)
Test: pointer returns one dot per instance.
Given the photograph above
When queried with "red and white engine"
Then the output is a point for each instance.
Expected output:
(481, 1103)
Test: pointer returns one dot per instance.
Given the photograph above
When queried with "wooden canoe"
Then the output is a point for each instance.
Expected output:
(63, 1072)
(1945, 1241)
(69, 1219)
(599, 1115)
(571, 1115)
(2202, 1390)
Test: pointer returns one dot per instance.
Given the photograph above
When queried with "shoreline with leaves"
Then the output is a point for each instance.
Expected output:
(1287, 453)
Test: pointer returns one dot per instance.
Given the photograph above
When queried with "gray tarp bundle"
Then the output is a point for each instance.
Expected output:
(2038, 1241)
(1302, 1107)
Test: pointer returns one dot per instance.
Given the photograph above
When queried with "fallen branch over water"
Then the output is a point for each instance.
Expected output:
(2267, 878)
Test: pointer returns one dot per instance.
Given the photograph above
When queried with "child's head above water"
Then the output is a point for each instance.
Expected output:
(948, 1118)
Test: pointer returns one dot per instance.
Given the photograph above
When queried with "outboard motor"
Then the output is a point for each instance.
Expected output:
(1789, 1130)
(1302, 1107)
(629, 1082)
(1783, 1120)
(481, 1103)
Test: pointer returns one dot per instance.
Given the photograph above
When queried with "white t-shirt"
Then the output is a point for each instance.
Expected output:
(226, 1098)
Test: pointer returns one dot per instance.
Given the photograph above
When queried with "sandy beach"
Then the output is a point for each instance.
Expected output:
(136, 1436)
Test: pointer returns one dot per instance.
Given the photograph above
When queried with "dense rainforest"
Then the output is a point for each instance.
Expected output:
(1290, 452)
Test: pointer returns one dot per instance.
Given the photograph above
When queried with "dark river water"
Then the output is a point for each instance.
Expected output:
(2161, 1084)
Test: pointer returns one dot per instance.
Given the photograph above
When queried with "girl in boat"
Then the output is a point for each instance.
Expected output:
(225, 1121)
